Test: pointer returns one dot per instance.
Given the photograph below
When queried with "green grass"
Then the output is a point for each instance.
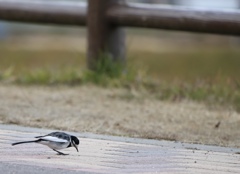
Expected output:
(204, 75)
(105, 71)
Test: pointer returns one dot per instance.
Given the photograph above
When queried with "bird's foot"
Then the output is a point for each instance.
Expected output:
(60, 153)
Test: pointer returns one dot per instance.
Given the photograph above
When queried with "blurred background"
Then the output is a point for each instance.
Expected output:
(181, 58)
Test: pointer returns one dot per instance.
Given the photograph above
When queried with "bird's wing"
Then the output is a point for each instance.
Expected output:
(54, 139)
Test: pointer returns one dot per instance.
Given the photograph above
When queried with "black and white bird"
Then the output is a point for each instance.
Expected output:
(56, 141)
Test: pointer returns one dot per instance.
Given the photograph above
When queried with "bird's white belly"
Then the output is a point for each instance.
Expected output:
(54, 145)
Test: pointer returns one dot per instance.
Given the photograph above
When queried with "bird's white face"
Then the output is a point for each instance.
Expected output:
(75, 142)
(75, 145)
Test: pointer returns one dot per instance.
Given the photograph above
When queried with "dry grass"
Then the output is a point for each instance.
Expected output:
(111, 111)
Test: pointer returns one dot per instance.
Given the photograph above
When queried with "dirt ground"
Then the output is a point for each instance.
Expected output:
(117, 112)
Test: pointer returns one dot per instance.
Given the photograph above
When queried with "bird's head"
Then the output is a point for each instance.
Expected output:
(75, 142)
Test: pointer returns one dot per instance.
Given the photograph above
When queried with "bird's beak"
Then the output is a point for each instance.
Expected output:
(75, 146)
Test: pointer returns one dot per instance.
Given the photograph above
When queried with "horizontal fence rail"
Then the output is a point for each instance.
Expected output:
(124, 14)
(105, 18)
(175, 18)
(44, 12)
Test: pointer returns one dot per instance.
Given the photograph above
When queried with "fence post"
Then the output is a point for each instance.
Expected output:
(103, 38)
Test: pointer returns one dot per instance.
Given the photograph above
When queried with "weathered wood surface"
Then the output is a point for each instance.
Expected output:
(103, 37)
(44, 12)
(103, 154)
(225, 22)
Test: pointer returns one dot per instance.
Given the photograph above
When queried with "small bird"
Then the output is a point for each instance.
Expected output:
(56, 141)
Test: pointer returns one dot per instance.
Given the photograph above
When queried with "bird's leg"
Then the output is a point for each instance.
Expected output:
(60, 153)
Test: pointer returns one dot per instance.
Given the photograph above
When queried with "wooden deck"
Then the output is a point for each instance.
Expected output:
(106, 154)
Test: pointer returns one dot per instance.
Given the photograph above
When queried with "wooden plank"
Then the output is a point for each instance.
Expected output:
(118, 156)
(226, 22)
(44, 12)
(103, 37)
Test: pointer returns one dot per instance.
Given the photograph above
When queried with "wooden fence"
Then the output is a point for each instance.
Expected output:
(105, 19)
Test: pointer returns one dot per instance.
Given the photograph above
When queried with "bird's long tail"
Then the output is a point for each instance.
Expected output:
(23, 142)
